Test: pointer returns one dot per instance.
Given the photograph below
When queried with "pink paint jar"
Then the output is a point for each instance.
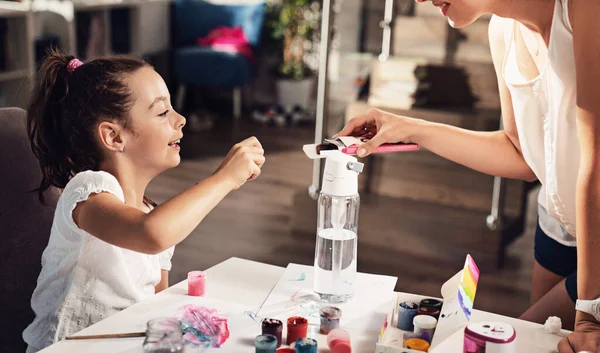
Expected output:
(338, 341)
(490, 337)
(196, 283)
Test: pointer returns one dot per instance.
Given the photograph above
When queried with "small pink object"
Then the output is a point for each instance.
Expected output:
(338, 341)
(196, 283)
(74, 64)
(385, 148)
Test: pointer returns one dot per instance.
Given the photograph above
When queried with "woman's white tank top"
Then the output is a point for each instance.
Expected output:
(545, 114)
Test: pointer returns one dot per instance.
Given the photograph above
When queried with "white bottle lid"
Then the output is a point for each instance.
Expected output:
(425, 322)
(340, 176)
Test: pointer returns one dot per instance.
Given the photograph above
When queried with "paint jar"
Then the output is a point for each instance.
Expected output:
(425, 326)
(338, 341)
(417, 344)
(306, 345)
(330, 318)
(297, 327)
(272, 327)
(427, 310)
(406, 314)
(265, 344)
(163, 335)
(196, 283)
(431, 303)
(490, 337)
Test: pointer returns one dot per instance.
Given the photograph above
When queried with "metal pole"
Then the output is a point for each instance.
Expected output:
(322, 93)
(386, 24)
(495, 220)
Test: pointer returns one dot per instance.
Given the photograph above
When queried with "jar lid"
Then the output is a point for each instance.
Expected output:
(417, 344)
(425, 322)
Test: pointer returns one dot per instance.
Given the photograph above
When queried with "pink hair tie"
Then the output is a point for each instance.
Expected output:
(73, 64)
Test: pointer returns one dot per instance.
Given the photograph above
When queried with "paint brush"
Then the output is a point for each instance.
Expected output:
(110, 335)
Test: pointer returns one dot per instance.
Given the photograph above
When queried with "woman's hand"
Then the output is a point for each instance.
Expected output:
(585, 338)
(380, 127)
(243, 162)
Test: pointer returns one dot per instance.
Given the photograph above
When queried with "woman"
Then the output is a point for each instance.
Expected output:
(547, 59)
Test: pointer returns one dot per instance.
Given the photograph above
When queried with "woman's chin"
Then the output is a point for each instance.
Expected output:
(458, 23)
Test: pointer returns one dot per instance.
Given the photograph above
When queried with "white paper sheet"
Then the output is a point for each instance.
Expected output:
(293, 295)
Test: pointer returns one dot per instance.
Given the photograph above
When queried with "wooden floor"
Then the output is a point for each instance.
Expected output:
(420, 240)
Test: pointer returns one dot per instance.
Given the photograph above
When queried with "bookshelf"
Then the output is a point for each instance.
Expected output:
(22, 23)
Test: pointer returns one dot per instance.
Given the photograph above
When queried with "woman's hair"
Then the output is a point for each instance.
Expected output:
(67, 104)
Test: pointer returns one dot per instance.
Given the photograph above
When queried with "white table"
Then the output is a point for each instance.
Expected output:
(243, 283)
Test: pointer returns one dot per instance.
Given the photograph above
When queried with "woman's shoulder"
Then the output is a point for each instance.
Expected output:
(500, 29)
(91, 181)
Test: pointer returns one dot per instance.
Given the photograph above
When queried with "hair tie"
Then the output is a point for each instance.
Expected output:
(73, 64)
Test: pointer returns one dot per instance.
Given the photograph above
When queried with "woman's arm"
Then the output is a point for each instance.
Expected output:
(586, 37)
(495, 153)
(586, 44)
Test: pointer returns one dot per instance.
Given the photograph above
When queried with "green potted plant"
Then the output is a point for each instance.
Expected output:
(292, 26)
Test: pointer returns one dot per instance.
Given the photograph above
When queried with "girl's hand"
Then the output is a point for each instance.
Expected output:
(380, 127)
(243, 162)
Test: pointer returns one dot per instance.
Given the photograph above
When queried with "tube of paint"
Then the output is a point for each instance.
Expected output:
(273, 327)
(306, 345)
(417, 344)
(406, 314)
(425, 326)
(330, 318)
(297, 327)
(427, 310)
(265, 343)
(431, 303)
(197, 283)
(338, 341)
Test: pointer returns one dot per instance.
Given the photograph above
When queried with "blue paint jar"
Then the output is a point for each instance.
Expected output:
(265, 343)
(306, 345)
(406, 314)
(330, 318)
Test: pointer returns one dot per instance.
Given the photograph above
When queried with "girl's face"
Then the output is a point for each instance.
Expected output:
(460, 13)
(152, 140)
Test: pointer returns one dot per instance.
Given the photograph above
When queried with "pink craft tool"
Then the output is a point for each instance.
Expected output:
(350, 145)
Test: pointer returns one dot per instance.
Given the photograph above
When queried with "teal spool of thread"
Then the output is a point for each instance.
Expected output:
(265, 344)
(306, 345)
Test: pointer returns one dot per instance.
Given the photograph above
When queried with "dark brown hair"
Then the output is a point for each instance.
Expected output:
(66, 108)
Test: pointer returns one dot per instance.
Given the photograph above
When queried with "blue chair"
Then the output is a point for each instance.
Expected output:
(202, 66)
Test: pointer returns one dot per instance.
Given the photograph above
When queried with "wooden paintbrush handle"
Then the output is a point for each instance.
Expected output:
(110, 335)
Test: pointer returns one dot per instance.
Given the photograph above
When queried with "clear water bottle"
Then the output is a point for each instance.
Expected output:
(337, 227)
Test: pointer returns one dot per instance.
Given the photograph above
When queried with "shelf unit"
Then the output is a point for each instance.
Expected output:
(18, 50)
(28, 20)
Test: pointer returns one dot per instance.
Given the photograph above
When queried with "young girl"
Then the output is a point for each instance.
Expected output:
(547, 59)
(101, 132)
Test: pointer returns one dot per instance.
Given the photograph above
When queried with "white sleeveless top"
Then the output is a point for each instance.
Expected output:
(83, 278)
(545, 114)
